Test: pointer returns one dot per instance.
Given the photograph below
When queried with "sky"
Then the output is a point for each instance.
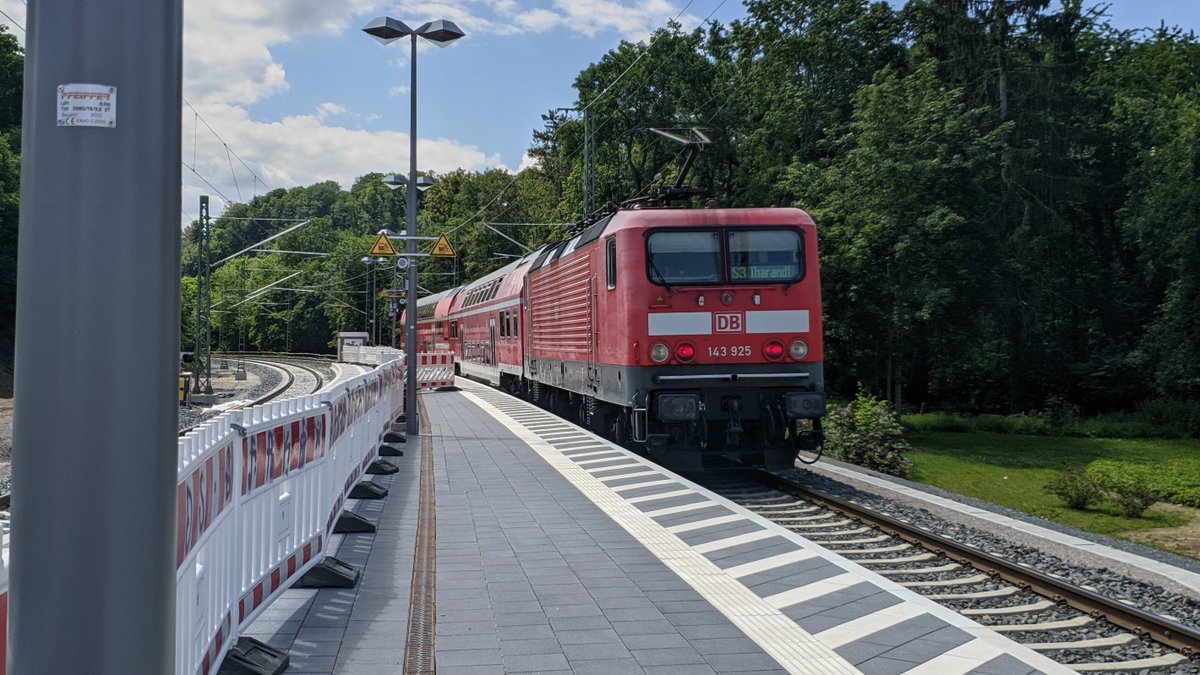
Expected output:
(280, 93)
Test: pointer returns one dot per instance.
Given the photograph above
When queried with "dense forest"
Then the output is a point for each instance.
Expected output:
(1007, 194)
(12, 66)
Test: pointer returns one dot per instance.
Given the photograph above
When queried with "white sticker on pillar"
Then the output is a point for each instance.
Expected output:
(87, 105)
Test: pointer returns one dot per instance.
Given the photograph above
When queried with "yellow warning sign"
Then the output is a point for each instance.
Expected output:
(443, 249)
(383, 246)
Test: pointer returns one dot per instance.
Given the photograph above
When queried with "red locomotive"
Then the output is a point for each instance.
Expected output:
(694, 333)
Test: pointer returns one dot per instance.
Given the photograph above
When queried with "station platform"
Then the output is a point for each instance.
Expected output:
(557, 551)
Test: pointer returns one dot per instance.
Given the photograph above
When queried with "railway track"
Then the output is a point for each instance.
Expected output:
(310, 381)
(1076, 626)
(299, 376)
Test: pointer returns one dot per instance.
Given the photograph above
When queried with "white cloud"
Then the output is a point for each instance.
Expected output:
(631, 19)
(300, 150)
(329, 109)
(527, 162)
(229, 66)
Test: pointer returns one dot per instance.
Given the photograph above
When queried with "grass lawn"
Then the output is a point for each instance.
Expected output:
(1011, 470)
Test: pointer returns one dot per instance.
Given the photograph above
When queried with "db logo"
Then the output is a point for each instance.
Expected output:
(729, 322)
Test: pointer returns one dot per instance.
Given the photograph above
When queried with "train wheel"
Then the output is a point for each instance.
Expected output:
(603, 421)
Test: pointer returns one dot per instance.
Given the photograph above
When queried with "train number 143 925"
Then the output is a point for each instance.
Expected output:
(735, 350)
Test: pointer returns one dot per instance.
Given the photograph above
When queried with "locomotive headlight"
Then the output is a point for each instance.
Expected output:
(659, 353)
(773, 350)
(678, 407)
(799, 349)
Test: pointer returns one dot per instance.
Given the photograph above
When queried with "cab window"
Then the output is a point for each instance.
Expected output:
(765, 256)
(612, 263)
(684, 257)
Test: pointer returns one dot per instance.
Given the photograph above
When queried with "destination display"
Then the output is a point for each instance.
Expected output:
(780, 272)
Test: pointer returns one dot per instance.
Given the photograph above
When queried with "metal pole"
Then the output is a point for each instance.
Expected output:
(395, 276)
(207, 299)
(412, 424)
(200, 265)
(93, 570)
(374, 313)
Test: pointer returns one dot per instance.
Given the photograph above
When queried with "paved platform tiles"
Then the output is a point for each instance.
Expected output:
(558, 552)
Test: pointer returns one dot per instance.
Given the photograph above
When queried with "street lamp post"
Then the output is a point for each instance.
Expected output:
(441, 33)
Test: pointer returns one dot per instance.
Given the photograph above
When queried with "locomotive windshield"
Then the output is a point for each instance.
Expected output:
(685, 257)
(764, 256)
(755, 256)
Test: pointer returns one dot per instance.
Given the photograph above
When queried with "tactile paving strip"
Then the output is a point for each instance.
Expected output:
(809, 609)
(779, 636)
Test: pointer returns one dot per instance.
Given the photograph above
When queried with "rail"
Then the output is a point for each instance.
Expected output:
(1170, 633)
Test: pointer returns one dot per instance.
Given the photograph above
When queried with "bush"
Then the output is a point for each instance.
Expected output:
(1181, 418)
(1133, 497)
(866, 433)
(1174, 480)
(1156, 418)
(936, 422)
(1075, 488)
(1129, 485)
(1060, 413)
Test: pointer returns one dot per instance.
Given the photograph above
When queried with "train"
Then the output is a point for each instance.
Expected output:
(693, 335)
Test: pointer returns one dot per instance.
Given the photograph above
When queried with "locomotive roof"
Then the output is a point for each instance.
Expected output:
(626, 218)
(662, 216)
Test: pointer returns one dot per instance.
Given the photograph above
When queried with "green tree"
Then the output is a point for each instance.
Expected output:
(1163, 217)
(906, 255)
(12, 65)
(793, 69)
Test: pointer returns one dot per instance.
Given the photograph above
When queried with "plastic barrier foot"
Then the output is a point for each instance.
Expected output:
(368, 490)
(251, 657)
(390, 451)
(330, 573)
(394, 437)
(401, 419)
(352, 523)
(382, 467)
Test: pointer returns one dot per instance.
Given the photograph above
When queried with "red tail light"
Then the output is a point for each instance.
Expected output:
(685, 352)
(773, 350)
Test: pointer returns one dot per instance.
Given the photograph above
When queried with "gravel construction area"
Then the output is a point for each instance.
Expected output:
(1109, 577)
(259, 380)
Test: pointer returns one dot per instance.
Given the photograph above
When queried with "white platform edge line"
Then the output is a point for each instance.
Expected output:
(756, 566)
(795, 649)
(872, 623)
(622, 489)
(983, 635)
(701, 524)
(733, 540)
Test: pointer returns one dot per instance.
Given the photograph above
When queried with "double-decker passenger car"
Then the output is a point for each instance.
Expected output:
(692, 333)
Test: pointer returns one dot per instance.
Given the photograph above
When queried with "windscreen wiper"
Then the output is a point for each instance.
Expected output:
(654, 268)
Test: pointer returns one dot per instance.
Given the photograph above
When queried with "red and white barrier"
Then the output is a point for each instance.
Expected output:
(259, 492)
(369, 355)
(3, 596)
(435, 369)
